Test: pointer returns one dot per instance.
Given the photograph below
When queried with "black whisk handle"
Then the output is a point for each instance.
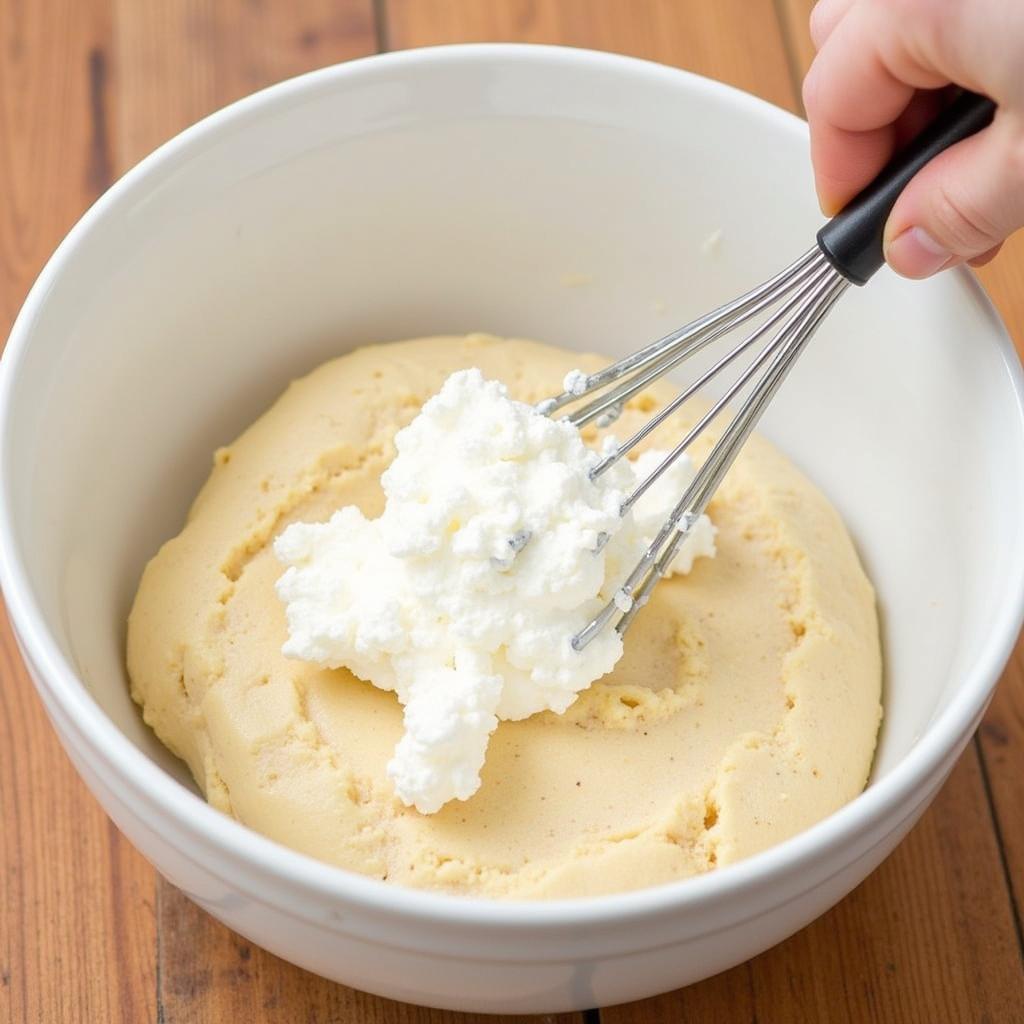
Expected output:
(852, 240)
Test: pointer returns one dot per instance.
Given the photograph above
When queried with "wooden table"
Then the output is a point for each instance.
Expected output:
(89, 932)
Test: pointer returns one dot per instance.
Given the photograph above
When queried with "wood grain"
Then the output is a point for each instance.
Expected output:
(794, 18)
(54, 103)
(76, 898)
(928, 937)
(209, 975)
(737, 41)
(179, 61)
(1001, 744)
(87, 931)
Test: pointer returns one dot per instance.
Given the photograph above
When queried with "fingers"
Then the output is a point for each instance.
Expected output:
(852, 102)
(845, 161)
(962, 205)
(875, 57)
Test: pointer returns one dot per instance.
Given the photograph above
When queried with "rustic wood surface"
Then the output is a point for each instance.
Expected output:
(88, 931)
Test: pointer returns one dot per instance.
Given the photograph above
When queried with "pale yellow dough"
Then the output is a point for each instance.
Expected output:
(745, 708)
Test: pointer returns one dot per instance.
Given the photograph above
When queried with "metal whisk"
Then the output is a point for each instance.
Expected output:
(848, 251)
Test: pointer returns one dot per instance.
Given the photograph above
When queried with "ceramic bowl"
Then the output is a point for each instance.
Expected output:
(580, 198)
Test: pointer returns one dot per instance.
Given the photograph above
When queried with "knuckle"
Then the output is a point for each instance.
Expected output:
(966, 228)
(921, 24)
(923, 12)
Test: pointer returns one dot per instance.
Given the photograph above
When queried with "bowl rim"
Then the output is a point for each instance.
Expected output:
(58, 681)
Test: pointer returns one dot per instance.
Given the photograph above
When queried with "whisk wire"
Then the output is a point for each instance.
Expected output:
(798, 297)
(696, 500)
(812, 286)
(666, 353)
(676, 342)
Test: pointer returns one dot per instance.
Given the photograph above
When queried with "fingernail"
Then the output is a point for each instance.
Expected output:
(829, 207)
(914, 253)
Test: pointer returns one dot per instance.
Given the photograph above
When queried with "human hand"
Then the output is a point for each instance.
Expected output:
(880, 75)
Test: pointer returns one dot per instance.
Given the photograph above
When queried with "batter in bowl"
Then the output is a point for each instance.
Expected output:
(745, 708)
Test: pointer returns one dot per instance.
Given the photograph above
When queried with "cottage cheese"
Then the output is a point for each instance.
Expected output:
(463, 596)
(575, 382)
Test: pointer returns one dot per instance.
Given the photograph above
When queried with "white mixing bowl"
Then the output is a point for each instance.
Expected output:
(461, 189)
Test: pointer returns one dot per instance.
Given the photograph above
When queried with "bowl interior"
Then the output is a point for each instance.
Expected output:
(584, 200)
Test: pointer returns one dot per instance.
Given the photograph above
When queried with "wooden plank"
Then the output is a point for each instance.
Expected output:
(77, 928)
(212, 976)
(794, 17)
(179, 61)
(54, 138)
(928, 937)
(1001, 743)
(1001, 736)
(737, 41)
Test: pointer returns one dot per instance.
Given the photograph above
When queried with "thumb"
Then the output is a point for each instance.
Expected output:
(961, 205)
